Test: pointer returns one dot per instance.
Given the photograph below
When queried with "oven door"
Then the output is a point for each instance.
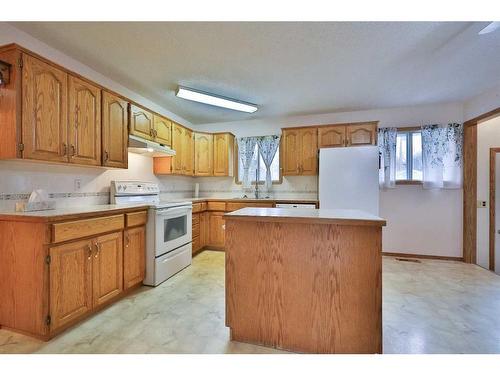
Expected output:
(173, 229)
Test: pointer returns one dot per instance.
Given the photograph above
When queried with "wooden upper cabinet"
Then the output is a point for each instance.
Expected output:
(114, 131)
(178, 144)
(141, 122)
(290, 145)
(300, 151)
(223, 154)
(70, 282)
(331, 136)
(188, 152)
(162, 130)
(362, 134)
(84, 122)
(134, 264)
(107, 268)
(203, 154)
(308, 151)
(45, 111)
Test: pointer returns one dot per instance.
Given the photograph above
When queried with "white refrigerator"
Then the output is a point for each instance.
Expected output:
(348, 178)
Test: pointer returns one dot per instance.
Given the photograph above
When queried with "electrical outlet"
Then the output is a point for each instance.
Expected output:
(78, 184)
(481, 204)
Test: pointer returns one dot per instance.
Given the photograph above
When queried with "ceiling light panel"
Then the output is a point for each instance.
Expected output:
(215, 100)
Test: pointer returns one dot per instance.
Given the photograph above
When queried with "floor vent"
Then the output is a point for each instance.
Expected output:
(408, 260)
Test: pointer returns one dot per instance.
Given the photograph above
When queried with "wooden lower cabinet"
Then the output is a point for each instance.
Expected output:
(216, 237)
(134, 263)
(107, 268)
(55, 272)
(70, 282)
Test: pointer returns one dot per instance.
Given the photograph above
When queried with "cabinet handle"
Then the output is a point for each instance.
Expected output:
(106, 156)
(97, 249)
(156, 133)
(73, 150)
(89, 252)
(65, 149)
(127, 240)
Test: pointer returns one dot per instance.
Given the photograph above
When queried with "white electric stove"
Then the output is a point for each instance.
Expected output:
(168, 231)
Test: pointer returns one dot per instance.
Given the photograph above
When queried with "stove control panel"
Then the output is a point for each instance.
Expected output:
(134, 188)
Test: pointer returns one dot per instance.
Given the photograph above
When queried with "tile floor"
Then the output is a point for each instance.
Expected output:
(429, 307)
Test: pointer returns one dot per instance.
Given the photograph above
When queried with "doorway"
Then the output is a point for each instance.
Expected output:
(495, 210)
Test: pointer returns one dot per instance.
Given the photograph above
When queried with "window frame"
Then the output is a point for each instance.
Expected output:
(237, 167)
(409, 154)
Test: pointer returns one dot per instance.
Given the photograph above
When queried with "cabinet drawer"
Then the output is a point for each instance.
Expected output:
(216, 206)
(137, 218)
(198, 207)
(233, 206)
(83, 228)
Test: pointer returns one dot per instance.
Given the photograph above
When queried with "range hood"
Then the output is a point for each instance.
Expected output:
(144, 147)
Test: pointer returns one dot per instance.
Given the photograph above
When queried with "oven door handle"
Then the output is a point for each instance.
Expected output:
(170, 211)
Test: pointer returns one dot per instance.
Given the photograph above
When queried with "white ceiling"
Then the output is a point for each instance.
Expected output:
(286, 68)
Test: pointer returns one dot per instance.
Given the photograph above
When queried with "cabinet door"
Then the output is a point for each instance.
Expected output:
(203, 154)
(189, 152)
(134, 263)
(44, 111)
(216, 229)
(362, 134)
(309, 151)
(84, 122)
(114, 131)
(178, 146)
(331, 136)
(70, 282)
(222, 154)
(107, 267)
(162, 130)
(290, 146)
(141, 122)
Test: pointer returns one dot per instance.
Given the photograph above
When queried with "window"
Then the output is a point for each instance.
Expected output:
(409, 155)
(258, 164)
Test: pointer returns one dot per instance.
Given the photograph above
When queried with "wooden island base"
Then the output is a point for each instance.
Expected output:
(302, 284)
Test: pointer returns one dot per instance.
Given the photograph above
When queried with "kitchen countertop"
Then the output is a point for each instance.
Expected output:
(85, 211)
(309, 215)
(67, 212)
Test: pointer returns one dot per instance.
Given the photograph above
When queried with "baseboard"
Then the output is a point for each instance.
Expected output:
(422, 256)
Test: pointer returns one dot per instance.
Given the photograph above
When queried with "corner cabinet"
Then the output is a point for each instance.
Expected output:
(59, 270)
(299, 149)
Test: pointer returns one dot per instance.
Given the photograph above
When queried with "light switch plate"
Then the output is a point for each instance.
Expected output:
(481, 204)
(78, 184)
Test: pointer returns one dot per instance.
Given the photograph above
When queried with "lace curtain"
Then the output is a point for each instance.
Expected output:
(387, 154)
(442, 156)
(267, 148)
(246, 150)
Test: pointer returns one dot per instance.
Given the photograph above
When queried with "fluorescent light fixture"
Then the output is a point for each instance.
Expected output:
(490, 28)
(216, 100)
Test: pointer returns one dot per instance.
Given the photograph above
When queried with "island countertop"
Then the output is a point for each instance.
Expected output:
(309, 215)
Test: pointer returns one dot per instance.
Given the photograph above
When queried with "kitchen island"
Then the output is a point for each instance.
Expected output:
(305, 280)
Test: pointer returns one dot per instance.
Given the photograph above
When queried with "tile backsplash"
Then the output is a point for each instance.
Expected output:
(19, 178)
